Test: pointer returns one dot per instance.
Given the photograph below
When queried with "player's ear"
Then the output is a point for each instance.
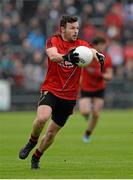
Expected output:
(62, 29)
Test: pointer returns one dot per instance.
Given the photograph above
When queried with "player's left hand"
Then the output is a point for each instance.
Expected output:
(101, 59)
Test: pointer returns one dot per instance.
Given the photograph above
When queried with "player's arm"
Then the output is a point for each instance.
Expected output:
(54, 55)
(108, 74)
(99, 57)
(95, 54)
(57, 57)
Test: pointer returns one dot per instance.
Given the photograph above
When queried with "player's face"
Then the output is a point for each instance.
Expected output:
(70, 32)
(101, 47)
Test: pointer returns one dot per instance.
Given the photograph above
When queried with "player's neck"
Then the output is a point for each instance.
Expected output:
(64, 38)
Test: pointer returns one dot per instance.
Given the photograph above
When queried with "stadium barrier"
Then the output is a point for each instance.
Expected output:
(5, 95)
(118, 95)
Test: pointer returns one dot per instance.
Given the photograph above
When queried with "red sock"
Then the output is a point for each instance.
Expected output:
(37, 154)
(33, 139)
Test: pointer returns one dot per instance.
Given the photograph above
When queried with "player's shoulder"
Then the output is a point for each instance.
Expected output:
(54, 37)
(53, 40)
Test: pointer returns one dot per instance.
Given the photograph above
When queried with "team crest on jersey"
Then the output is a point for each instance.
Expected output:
(66, 64)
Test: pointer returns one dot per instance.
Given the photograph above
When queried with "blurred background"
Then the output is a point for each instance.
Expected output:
(24, 27)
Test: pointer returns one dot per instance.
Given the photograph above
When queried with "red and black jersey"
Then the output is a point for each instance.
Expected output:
(92, 79)
(62, 79)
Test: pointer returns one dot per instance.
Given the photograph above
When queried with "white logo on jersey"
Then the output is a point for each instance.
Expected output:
(66, 64)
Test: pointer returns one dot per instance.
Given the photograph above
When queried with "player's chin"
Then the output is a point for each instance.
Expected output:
(74, 38)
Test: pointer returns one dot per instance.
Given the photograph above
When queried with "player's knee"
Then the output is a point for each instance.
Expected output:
(41, 120)
(85, 113)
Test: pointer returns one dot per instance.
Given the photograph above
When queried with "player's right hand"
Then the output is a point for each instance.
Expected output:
(71, 57)
(101, 59)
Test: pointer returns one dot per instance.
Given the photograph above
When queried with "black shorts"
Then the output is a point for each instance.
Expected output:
(61, 108)
(92, 94)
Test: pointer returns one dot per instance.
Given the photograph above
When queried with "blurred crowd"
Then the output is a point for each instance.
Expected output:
(25, 25)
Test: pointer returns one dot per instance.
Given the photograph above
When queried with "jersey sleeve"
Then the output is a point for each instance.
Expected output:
(108, 61)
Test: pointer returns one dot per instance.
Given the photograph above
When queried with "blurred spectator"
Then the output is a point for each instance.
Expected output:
(128, 53)
(114, 17)
(69, 7)
(100, 8)
(115, 50)
(5, 39)
(5, 24)
(23, 32)
(127, 33)
(86, 13)
(7, 9)
(15, 29)
(128, 12)
(114, 21)
(42, 15)
(19, 77)
(55, 10)
(34, 71)
(35, 38)
(88, 31)
(7, 68)
(24, 26)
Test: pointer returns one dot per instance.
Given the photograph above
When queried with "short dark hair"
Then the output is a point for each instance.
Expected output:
(98, 40)
(67, 19)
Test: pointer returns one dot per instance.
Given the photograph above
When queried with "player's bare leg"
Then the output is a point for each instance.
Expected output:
(43, 114)
(85, 107)
(97, 106)
(46, 141)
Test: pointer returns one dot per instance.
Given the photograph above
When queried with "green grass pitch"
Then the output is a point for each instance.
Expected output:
(108, 155)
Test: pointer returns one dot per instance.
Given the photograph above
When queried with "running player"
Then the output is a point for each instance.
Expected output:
(59, 89)
(93, 87)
